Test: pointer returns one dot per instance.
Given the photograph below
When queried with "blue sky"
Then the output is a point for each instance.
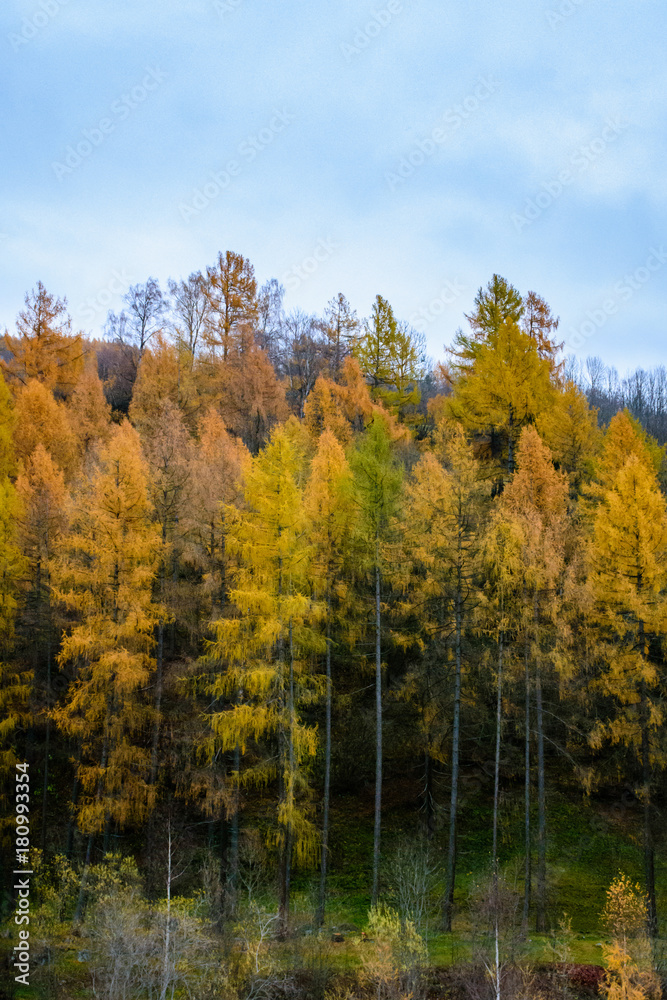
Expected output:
(406, 147)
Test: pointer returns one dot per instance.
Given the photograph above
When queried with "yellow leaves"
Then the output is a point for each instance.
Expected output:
(241, 723)
(500, 381)
(629, 974)
(44, 349)
(105, 573)
(40, 419)
(569, 427)
(322, 411)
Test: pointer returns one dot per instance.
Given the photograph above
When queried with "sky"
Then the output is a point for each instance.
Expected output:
(410, 148)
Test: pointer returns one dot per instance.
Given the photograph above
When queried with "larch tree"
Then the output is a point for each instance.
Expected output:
(217, 468)
(42, 522)
(322, 411)
(231, 290)
(498, 618)
(104, 576)
(166, 372)
(500, 384)
(569, 428)
(628, 553)
(15, 680)
(40, 419)
(536, 499)
(391, 357)
(264, 649)
(540, 324)
(376, 487)
(495, 305)
(443, 507)
(330, 514)
(89, 413)
(166, 447)
(44, 348)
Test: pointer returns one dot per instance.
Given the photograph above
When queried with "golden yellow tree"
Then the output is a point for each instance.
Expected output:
(441, 521)
(629, 974)
(376, 483)
(41, 419)
(500, 384)
(569, 428)
(14, 678)
(264, 648)
(231, 290)
(105, 578)
(627, 577)
(217, 467)
(330, 520)
(42, 521)
(89, 413)
(536, 499)
(44, 348)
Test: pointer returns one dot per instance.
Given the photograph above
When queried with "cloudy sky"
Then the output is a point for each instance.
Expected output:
(406, 147)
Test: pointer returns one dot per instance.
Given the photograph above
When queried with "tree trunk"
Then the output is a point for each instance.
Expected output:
(527, 872)
(496, 769)
(47, 736)
(496, 802)
(233, 877)
(649, 859)
(540, 918)
(453, 802)
(78, 913)
(158, 701)
(327, 779)
(378, 727)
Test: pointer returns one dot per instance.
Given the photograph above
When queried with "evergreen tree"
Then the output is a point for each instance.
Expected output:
(330, 520)
(441, 535)
(627, 580)
(537, 500)
(375, 492)
(44, 348)
(264, 649)
(104, 576)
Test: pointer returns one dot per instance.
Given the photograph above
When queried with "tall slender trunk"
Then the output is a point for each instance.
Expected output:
(283, 757)
(496, 802)
(233, 876)
(540, 918)
(510, 441)
(428, 795)
(453, 801)
(496, 769)
(528, 866)
(47, 738)
(378, 727)
(69, 844)
(649, 858)
(158, 701)
(167, 930)
(327, 778)
(78, 912)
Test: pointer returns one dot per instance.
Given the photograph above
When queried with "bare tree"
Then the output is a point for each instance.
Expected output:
(191, 307)
(269, 319)
(303, 356)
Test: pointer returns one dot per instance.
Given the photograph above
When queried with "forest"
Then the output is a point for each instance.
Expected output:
(329, 670)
